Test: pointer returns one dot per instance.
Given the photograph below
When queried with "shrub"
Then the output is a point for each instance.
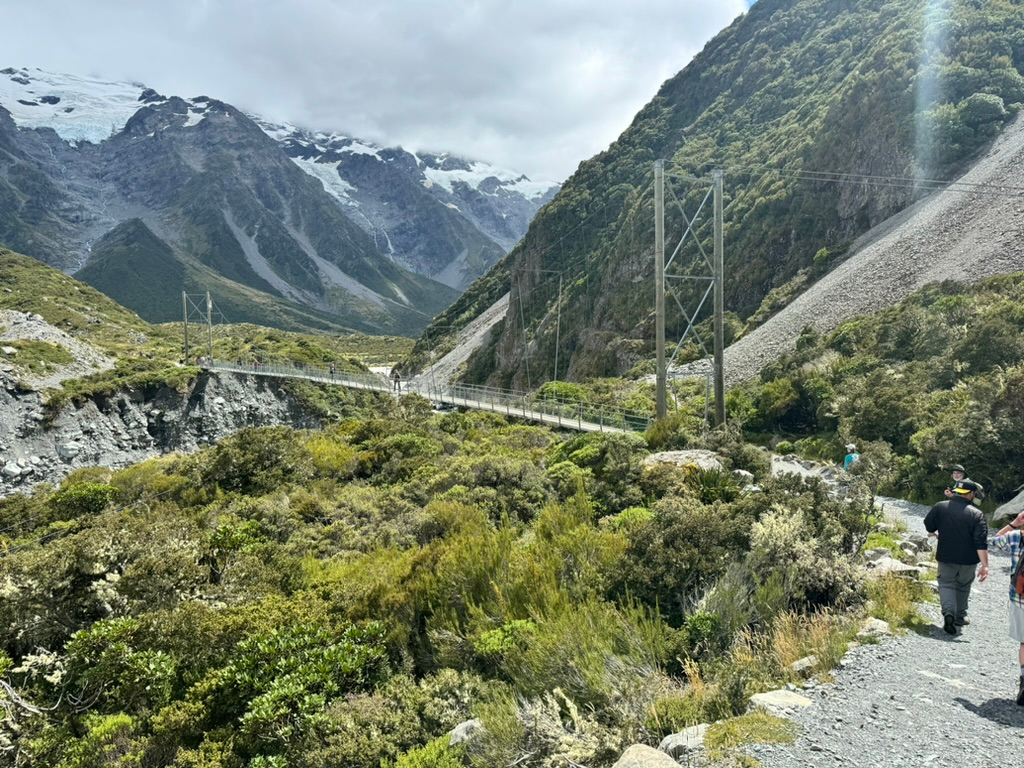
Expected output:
(437, 754)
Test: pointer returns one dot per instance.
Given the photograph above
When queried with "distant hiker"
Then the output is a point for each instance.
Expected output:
(957, 472)
(1010, 539)
(851, 456)
(963, 543)
(396, 380)
(334, 369)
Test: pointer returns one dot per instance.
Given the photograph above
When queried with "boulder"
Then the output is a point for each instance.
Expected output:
(69, 450)
(873, 629)
(11, 470)
(891, 565)
(804, 665)
(465, 731)
(680, 744)
(642, 756)
(696, 457)
(780, 703)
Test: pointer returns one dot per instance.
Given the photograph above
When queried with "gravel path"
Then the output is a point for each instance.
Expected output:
(955, 235)
(923, 699)
(19, 326)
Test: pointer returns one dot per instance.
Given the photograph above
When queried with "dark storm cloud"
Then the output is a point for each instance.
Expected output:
(533, 85)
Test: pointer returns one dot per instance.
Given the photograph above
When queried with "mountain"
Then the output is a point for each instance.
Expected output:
(828, 117)
(146, 196)
(438, 215)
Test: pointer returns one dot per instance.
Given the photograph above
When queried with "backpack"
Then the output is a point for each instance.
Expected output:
(1017, 577)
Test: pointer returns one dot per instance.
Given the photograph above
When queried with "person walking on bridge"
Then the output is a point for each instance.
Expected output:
(963, 543)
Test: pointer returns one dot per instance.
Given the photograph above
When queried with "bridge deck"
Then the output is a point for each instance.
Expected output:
(581, 417)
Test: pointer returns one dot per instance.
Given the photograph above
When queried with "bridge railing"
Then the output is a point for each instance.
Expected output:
(571, 414)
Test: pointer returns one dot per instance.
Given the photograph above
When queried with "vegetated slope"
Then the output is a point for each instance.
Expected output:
(856, 88)
(208, 184)
(964, 234)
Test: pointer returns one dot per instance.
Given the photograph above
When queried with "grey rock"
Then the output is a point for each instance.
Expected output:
(465, 731)
(683, 743)
(642, 756)
(69, 450)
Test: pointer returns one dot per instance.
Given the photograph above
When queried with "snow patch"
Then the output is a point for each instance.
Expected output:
(79, 109)
(327, 173)
(478, 173)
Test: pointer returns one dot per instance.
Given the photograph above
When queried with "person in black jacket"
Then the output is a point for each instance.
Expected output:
(963, 543)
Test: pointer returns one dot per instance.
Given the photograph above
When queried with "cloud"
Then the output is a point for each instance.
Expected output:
(533, 85)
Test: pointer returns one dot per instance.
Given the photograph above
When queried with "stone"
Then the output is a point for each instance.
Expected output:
(11, 470)
(874, 555)
(696, 457)
(804, 665)
(9, 350)
(891, 565)
(780, 703)
(642, 756)
(69, 449)
(873, 628)
(743, 477)
(465, 731)
(686, 741)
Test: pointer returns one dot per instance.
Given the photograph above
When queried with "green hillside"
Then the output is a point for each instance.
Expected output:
(891, 88)
(935, 381)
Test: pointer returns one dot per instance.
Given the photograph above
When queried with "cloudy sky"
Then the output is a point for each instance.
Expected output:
(532, 85)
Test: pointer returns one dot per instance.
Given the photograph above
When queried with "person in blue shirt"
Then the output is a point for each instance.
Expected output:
(1010, 539)
(851, 456)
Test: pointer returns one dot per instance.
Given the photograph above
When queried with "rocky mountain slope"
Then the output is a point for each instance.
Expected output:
(437, 215)
(827, 119)
(145, 196)
(971, 231)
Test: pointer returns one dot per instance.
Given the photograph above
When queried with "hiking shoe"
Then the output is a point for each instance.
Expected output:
(962, 622)
(1020, 693)
(949, 624)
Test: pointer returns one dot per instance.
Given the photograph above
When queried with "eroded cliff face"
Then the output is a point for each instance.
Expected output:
(123, 429)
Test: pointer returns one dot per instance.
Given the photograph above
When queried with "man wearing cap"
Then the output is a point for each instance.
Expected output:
(963, 543)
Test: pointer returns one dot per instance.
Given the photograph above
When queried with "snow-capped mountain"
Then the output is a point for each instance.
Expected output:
(416, 206)
(146, 195)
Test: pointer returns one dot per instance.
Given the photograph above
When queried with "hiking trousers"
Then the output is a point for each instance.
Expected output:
(955, 588)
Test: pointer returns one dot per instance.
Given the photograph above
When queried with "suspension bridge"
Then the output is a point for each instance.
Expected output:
(552, 411)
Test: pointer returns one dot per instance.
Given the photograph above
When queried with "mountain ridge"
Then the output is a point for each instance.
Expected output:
(223, 196)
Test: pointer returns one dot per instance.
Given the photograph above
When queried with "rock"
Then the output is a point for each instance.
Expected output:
(891, 565)
(874, 555)
(873, 628)
(743, 477)
(642, 756)
(780, 703)
(804, 665)
(69, 449)
(9, 350)
(698, 458)
(689, 740)
(465, 731)
(11, 470)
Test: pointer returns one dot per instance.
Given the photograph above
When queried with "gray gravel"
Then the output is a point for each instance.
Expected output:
(923, 699)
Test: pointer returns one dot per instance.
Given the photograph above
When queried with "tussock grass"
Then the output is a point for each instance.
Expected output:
(892, 598)
(722, 740)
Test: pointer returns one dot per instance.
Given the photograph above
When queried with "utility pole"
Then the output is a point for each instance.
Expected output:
(716, 176)
(661, 405)
(209, 321)
(184, 307)
(558, 325)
